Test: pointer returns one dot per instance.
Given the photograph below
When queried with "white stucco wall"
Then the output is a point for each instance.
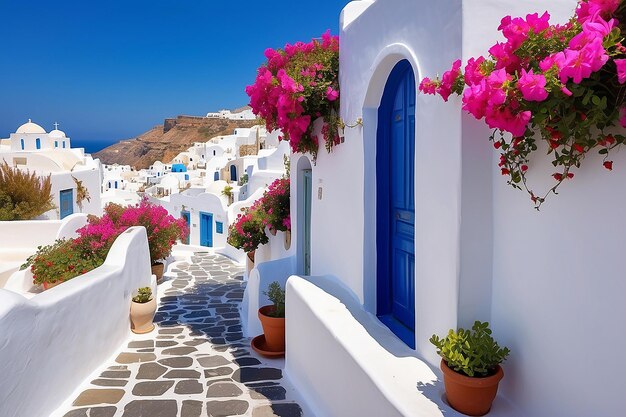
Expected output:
(59, 337)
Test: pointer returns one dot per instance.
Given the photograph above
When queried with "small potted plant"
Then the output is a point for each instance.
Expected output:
(471, 367)
(142, 311)
(273, 321)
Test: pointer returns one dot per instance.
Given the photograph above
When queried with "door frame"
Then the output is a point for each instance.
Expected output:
(383, 233)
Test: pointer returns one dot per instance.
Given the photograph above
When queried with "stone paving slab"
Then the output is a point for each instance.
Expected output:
(196, 362)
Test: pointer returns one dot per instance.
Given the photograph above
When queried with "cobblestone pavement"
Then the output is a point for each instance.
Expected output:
(197, 362)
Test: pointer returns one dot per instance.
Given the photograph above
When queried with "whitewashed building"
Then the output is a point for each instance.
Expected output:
(32, 148)
(470, 247)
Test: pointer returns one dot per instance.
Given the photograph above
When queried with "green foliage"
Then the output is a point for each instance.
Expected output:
(227, 191)
(243, 180)
(248, 230)
(144, 295)
(23, 195)
(277, 296)
(62, 261)
(471, 352)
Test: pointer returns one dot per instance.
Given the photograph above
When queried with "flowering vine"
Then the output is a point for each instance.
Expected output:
(297, 85)
(563, 84)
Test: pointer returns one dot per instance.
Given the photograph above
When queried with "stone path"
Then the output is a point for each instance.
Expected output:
(197, 362)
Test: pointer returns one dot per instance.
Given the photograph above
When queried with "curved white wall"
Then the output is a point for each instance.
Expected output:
(51, 342)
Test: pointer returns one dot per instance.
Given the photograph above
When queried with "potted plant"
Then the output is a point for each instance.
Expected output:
(273, 321)
(142, 311)
(275, 204)
(248, 231)
(471, 367)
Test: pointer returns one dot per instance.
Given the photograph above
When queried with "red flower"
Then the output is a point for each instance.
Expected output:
(608, 165)
(570, 175)
(497, 145)
(557, 176)
(554, 144)
(505, 171)
(524, 168)
(579, 148)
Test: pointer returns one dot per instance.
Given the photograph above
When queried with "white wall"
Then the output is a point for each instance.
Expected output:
(53, 341)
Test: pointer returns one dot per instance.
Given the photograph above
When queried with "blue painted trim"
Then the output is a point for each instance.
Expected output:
(383, 195)
(22, 143)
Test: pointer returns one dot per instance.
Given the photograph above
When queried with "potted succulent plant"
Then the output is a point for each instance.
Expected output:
(471, 367)
(273, 321)
(142, 311)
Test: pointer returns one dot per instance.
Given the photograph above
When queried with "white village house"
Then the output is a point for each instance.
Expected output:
(32, 148)
(464, 245)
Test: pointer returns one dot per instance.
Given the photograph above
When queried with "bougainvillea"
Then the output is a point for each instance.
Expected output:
(563, 84)
(271, 211)
(296, 85)
(275, 204)
(163, 230)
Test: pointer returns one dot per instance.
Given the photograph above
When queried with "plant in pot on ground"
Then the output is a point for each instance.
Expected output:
(273, 318)
(142, 311)
(471, 367)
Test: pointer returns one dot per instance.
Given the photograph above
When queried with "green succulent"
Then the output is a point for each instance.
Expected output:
(471, 352)
(143, 295)
(277, 296)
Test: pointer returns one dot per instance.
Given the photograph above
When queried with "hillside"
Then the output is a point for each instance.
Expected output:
(164, 142)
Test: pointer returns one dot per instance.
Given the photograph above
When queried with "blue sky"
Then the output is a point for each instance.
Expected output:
(113, 69)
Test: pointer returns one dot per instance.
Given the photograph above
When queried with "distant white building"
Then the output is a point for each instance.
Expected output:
(244, 113)
(32, 149)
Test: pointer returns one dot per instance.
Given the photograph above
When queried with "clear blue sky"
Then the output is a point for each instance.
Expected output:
(109, 70)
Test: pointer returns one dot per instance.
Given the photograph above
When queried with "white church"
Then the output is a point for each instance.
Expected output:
(33, 149)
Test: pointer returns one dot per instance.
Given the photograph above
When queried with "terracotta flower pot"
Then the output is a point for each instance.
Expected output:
(471, 396)
(273, 329)
(157, 269)
(141, 316)
(48, 285)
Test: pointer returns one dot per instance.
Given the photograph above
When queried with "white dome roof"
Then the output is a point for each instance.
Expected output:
(56, 133)
(30, 127)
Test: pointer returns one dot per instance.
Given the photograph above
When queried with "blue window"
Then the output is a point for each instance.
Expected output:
(216, 176)
(64, 144)
(219, 227)
(38, 143)
(56, 143)
(233, 173)
(186, 177)
(22, 143)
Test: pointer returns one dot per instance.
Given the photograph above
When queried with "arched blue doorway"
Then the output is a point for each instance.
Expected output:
(233, 173)
(395, 205)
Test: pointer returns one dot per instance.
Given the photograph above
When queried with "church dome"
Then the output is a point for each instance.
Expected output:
(30, 127)
(57, 134)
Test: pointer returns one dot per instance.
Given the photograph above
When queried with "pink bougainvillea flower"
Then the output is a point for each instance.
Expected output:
(532, 86)
(501, 117)
(427, 86)
(449, 79)
(473, 72)
(331, 94)
(621, 70)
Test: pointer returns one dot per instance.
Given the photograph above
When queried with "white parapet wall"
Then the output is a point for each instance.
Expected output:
(345, 363)
(50, 343)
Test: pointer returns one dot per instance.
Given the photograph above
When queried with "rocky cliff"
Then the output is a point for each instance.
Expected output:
(164, 142)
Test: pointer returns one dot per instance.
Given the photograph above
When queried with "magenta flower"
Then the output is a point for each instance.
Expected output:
(331, 94)
(621, 70)
(532, 86)
(449, 79)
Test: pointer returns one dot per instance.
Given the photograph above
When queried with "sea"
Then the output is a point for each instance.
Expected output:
(93, 146)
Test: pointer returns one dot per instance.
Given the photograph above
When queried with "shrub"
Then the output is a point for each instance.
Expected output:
(277, 296)
(295, 86)
(275, 205)
(62, 261)
(248, 230)
(471, 352)
(144, 295)
(163, 230)
(23, 195)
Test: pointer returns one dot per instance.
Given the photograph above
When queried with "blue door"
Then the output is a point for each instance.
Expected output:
(66, 199)
(185, 215)
(216, 176)
(206, 229)
(395, 204)
(233, 173)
